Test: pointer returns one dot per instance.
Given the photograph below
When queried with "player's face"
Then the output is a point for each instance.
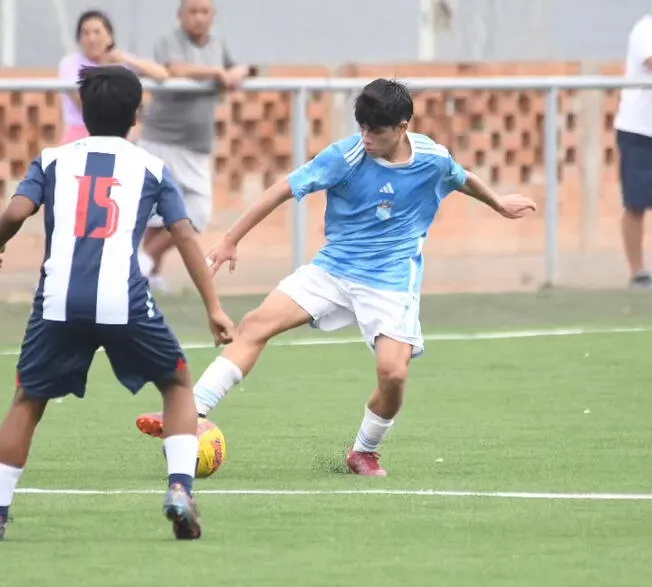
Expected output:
(383, 141)
(94, 38)
(196, 17)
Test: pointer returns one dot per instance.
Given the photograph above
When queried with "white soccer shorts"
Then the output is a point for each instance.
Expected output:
(335, 303)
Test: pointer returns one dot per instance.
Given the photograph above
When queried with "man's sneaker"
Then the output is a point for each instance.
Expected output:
(181, 509)
(365, 463)
(641, 281)
(151, 424)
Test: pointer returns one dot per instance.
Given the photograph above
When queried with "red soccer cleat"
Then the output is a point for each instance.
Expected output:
(151, 424)
(365, 463)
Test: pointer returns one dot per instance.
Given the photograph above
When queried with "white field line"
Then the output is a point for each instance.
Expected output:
(335, 492)
(499, 335)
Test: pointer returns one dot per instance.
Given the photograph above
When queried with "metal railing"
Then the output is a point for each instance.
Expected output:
(302, 87)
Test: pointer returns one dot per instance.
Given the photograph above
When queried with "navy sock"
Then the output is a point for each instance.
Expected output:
(184, 480)
(4, 512)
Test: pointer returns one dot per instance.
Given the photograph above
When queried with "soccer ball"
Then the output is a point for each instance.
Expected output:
(212, 448)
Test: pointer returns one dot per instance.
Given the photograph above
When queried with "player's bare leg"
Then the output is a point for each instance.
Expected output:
(180, 445)
(16, 434)
(277, 314)
(392, 363)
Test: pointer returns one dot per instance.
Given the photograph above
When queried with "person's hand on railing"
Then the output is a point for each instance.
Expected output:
(235, 76)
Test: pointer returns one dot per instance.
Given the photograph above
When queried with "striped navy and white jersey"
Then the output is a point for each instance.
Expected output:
(97, 195)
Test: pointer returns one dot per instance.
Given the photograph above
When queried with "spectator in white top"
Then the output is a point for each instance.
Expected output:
(634, 134)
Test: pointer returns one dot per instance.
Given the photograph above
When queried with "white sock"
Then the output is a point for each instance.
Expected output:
(9, 477)
(181, 454)
(215, 383)
(372, 432)
(146, 263)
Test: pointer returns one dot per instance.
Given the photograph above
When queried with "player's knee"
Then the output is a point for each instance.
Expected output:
(255, 328)
(392, 375)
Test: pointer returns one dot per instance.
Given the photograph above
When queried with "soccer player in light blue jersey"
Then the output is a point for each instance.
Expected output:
(384, 187)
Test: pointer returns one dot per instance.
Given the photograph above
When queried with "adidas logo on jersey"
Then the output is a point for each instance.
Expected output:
(386, 189)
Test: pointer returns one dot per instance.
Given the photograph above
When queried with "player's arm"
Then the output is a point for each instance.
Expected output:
(326, 170)
(510, 206)
(172, 209)
(11, 220)
(270, 200)
(26, 202)
(184, 238)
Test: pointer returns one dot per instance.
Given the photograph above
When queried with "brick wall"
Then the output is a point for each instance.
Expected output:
(498, 134)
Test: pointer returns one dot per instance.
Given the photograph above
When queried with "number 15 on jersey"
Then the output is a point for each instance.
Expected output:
(99, 189)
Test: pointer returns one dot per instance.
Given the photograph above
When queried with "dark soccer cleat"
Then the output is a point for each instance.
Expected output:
(181, 509)
(365, 463)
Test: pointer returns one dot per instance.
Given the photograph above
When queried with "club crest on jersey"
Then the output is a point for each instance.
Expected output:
(384, 210)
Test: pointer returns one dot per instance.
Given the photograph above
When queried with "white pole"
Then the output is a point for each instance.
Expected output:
(8, 22)
(65, 35)
(427, 25)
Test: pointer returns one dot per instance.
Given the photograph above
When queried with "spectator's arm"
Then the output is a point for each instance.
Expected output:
(143, 67)
(236, 72)
(196, 72)
(170, 54)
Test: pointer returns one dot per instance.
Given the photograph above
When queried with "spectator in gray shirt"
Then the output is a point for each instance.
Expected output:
(179, 128)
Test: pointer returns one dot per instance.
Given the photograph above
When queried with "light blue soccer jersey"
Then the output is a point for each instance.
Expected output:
(378, 213)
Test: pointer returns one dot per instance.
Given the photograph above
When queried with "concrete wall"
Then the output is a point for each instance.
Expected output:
(356, 31)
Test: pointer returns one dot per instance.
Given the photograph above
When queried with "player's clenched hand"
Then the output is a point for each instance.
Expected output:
(220, 254)
(515, 206)
(222, 327)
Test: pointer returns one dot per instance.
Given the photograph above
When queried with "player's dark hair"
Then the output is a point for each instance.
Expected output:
(110, 97)
(84, 17)
(383, 103)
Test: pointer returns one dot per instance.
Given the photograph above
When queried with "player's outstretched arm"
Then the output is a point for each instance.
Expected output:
(20, 208)
(226, 250)
(510, 206)
(184, 238)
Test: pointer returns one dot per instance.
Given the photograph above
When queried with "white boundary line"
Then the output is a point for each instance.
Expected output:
(498, 335)
(335, 492)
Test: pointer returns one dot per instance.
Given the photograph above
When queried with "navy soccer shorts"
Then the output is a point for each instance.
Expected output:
(635, 170)
(56, 356)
